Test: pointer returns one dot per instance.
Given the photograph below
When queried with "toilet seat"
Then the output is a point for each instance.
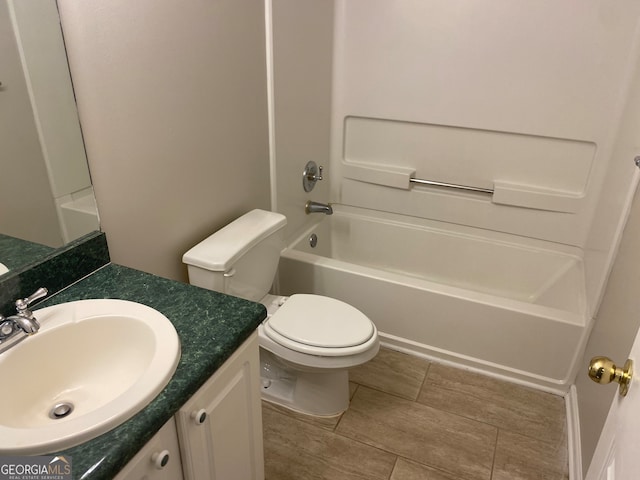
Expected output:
(320, 325)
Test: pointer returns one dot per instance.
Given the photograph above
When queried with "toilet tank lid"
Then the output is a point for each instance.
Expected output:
(222, 249)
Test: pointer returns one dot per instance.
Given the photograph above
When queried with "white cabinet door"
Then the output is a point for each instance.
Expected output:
(159, 459)
(220, 427)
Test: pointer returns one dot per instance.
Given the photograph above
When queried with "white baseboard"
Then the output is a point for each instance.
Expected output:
(573, 434)
(456, 360)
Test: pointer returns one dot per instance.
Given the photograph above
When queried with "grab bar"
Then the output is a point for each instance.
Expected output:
(451, 185)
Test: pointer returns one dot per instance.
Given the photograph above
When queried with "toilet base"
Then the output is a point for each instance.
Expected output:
(318, 392)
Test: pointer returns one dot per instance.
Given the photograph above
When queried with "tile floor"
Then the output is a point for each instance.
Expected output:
(411, 419)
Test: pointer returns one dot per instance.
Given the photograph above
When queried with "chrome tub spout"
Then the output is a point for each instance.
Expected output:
(317, 207)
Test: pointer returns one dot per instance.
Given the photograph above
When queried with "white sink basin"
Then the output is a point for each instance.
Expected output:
(104, 359)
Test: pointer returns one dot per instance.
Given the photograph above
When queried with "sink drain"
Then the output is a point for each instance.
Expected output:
(61, 410)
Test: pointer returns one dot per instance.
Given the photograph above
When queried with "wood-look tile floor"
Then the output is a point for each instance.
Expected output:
(411, 419)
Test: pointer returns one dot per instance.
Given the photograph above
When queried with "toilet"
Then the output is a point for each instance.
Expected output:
(307, 342)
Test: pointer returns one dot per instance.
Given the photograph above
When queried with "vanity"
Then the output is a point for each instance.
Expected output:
(206, 422)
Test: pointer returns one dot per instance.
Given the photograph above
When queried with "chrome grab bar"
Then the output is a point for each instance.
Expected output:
(451, 185)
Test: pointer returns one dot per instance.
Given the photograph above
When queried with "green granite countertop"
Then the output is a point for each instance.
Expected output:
(211, 326)
(16, 253)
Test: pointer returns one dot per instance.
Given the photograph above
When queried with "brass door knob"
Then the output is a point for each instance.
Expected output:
(602, 370)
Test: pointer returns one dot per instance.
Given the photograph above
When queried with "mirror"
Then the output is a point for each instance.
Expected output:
(46, 197)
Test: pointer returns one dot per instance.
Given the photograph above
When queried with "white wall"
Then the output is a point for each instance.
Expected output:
(302, 42)
(616, 193)
(172, 100)
(614, 330)
(614, 296)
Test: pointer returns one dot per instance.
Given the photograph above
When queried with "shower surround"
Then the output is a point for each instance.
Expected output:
(505, 277)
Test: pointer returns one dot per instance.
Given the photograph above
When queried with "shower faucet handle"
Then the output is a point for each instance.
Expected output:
(310, 175)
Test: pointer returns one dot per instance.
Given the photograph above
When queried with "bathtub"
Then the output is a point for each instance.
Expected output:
(506, 305)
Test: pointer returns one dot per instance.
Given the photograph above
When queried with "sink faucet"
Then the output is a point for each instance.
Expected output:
(17, 327)
(316, 207)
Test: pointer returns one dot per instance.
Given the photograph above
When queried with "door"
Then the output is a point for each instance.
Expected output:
(617, 456)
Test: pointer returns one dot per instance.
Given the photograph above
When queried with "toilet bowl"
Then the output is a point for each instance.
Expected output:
(307, 342)
(322, 329)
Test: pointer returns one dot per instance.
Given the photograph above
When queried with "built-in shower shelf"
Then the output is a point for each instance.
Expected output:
(386, 175)
(527, 196)
(502, 192)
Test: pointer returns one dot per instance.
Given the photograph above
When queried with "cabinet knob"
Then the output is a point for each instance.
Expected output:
(199, 416)
(160, 459)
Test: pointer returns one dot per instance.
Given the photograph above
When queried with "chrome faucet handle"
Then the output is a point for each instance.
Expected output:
(310, 175)
(22, 304)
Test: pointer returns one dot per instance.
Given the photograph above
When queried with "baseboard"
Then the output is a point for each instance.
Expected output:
(456, 360)
(573, 434)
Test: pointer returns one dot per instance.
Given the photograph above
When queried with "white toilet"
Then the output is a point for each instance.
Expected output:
(307, 342)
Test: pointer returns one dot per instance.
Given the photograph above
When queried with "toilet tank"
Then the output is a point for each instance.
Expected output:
(241, 258)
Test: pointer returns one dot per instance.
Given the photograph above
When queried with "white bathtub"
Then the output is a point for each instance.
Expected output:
(500, 303)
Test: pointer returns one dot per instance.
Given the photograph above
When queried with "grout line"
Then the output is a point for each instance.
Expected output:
(442, 471)
(495, 453)
(378, 389)
(424, 381)
(342, 415)
(395, 464)
(335, 427)
(361, 442)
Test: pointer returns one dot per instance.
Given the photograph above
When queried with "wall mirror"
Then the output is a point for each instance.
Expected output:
(46, 197)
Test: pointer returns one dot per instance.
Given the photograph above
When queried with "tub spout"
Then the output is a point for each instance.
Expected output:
(316, 207)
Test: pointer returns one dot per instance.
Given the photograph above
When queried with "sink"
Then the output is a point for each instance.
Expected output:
(92, 365)
(3, 269)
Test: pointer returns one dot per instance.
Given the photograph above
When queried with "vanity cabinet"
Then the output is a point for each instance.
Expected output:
(220, 427)
(159, 459)
(217, 434)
